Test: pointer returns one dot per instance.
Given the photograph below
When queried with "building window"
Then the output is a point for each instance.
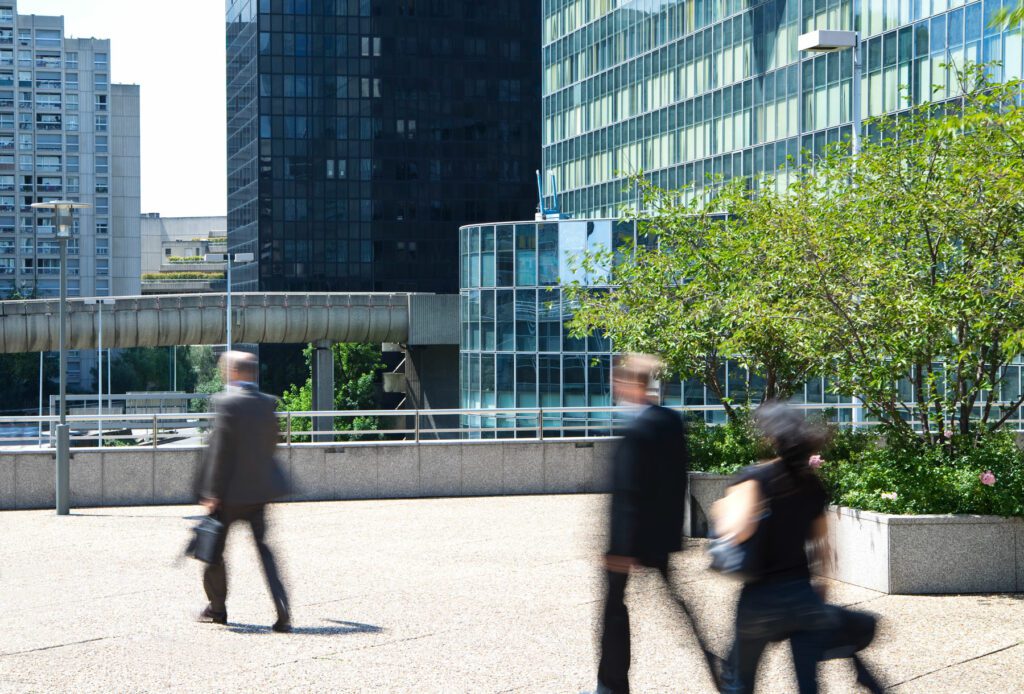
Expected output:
(72, 80)
(48, 121)
(101, 102)
(100, 81)
(72, 122)
(72, 184)
(102, 185)
(71, 61)
(101, 143)
(48, 163)
(102, 165)
(25, 162)
(102, 266)
(49, 38)
(24, 37)
(101, 123)
(100, 61)
(6, 15)
(73, 163)
(72, 102)
(102, 206)
(102, 227)
(101, 247)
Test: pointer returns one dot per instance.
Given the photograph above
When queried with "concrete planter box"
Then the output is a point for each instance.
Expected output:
(917, 555)
(903, 555)
(705, 489)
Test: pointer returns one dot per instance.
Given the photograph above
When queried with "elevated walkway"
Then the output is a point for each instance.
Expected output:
(257, 318)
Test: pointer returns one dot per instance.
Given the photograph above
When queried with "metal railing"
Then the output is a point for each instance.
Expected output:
(187, 429)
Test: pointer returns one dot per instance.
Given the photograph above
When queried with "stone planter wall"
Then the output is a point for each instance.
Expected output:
(381, 470)
(916, 555)
(905, 555)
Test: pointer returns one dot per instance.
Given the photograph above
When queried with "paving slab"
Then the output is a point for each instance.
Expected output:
(428, 595)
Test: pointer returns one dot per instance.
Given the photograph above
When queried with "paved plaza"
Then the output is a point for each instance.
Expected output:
(437, 595)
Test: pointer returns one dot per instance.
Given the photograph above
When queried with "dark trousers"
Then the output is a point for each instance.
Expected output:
(775, 612)
(215, 577)
(613, 669)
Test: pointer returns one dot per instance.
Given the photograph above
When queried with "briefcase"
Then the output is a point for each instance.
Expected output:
(207, 535)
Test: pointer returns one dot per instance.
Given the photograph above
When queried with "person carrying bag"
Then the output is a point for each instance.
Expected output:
(762, 529)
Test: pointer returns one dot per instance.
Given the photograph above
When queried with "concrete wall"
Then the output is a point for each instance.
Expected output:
(138, 476)
(919, 555)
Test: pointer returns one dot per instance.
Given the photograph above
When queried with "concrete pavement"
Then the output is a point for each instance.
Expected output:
(439, 595)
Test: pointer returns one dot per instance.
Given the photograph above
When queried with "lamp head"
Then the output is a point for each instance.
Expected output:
(823, 41)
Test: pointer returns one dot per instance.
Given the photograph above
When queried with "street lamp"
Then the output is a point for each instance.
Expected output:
(822, 41)
(229, 258)
(99, 302)
(63, 211)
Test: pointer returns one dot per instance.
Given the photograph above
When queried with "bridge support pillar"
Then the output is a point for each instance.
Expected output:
(323, 387)
(432, 383)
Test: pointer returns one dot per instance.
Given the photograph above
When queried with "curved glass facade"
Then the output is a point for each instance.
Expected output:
(516, 350)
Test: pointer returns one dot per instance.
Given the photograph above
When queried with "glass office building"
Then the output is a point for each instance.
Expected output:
(363, 133)
(684, 89)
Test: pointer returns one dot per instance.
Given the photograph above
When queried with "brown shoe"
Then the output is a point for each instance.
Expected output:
(210, 616)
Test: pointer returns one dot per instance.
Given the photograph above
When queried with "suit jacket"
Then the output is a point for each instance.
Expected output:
(240, 467)
(649, 487)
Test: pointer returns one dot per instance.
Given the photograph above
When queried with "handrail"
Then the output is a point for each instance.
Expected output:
(154, 429)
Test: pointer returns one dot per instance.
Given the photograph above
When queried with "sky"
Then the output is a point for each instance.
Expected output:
(175, 52)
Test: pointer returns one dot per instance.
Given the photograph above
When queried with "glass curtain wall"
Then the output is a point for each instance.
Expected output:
(687, 89)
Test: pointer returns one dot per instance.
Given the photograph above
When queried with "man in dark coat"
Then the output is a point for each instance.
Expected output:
(240, 477)
(647, 507)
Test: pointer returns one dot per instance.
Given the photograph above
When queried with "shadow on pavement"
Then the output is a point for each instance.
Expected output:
(341, 629)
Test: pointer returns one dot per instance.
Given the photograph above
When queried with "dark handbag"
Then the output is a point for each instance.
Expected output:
(743, 560)
(207, 536)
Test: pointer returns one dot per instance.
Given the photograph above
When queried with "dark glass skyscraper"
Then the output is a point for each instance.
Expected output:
(363, 133)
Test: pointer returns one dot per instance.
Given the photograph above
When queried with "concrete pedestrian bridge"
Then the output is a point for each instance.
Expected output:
(257, 318)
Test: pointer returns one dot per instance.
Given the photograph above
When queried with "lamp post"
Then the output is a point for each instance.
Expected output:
(63, 211)
(229, 258)
(99, 365)
(822, 41)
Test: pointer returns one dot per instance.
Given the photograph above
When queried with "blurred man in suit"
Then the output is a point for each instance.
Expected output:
(240, 477)
(648, 496)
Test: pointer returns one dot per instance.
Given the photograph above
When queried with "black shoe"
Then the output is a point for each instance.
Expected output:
(210, 616)
(283, 625)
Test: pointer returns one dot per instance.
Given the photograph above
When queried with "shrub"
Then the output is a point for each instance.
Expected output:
(910, 477)
(726, 448)
(904, 475)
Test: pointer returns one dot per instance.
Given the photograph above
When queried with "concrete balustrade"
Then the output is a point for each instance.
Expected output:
(139, 476)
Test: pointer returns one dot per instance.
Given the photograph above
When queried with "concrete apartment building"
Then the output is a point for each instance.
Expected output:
(175, 245)
(66, 132)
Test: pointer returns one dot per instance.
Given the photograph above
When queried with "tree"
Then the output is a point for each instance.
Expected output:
(355, 369)
(897, 272)
(908, 261)
(689, 290)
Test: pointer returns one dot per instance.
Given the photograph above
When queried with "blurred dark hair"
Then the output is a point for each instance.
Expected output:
(793, 437)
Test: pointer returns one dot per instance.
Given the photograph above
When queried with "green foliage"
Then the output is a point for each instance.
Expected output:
(185, 259)
(911, 477)
(726, 448)
(905, 476)
(895, 272)
(355, 369)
